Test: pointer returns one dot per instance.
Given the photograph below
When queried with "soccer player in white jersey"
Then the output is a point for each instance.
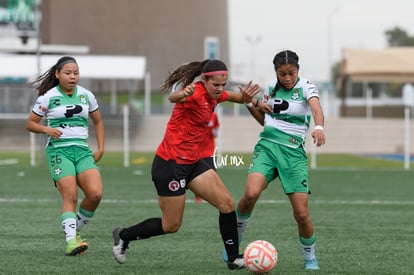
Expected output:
(280, 151)
(67, 106)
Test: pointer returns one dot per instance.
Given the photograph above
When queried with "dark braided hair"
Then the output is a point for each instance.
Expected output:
(186, 73)
(48, 80)
(284, 58)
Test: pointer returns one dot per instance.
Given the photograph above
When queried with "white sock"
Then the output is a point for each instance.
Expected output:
(82, 220)
(308, 251)
(241, 227)
(69, 227)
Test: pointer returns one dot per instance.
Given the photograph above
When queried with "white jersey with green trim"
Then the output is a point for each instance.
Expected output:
(290, 119)
(68, 113)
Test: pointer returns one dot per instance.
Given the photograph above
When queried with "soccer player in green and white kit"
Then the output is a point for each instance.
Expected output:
(280, 151)
(67, 107)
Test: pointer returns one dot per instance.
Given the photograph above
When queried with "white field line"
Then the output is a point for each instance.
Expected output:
(154, 201)
(8, 161)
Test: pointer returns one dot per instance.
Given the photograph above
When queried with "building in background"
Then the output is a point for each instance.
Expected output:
(167, 33)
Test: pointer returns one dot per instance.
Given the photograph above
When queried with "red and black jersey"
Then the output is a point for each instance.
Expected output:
(208, 146)
(187, 126)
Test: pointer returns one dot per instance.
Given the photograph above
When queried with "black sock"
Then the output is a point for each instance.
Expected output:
(228, 230)
(148, 228)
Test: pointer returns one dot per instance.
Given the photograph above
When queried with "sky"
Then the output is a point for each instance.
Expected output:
(317, 30)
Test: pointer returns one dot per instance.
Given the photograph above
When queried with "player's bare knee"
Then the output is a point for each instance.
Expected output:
(97, 198)
(226, 206)
(302, 217)
(71, 198)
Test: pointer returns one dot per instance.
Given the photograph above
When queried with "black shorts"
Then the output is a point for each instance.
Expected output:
(210, 162)
(171, 179)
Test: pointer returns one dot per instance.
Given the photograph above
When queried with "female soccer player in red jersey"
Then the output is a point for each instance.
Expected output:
(178, 164)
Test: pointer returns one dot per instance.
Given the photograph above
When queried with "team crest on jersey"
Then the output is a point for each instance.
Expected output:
(82, 99)
(58, 171)
(173, 185)
(295, 94)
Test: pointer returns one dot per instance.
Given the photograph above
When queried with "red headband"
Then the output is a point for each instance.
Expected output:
(215, 73)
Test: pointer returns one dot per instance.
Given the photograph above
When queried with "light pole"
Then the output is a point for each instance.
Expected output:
(38, 16)
(253, 41)
(408, 100)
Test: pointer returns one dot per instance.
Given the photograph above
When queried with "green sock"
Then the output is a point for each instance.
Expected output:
(307, 241)
(241, 215)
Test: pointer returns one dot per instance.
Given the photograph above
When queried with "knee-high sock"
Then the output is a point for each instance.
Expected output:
(242, 221)
(228, 230)
(146, 229)
(308, 247)
(68, 221)
(84, 216)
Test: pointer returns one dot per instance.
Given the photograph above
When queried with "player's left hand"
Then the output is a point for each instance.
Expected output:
(98, 155)
(249, 91)
(318, 137)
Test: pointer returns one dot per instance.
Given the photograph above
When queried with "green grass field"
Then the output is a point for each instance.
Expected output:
(362, 209)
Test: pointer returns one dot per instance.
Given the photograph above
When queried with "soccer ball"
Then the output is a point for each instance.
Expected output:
(260, 256)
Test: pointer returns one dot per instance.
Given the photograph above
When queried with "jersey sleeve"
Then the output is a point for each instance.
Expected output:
(177, 86)
(41, 105)
(93, 103)
(310, 90)
(270, 87)
(223, 97)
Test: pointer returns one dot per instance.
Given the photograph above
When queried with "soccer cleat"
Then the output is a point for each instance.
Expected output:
(80, 240)
(238, 263)
(224, 255)
(311, 264)
(119, 248)
(75, 247)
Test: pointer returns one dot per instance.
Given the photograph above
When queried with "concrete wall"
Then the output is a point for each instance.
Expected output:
(237, 134)
(349, 135)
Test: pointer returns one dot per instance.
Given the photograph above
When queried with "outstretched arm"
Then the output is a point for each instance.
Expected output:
(254, 110)
(318, 133)
(256, 107)
(238, 97)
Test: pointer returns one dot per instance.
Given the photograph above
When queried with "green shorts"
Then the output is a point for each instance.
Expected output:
(69, 161)
(289, 164)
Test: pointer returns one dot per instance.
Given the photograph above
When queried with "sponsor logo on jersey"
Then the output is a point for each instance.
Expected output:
(293, 140)
(42, 108)
(55, 102)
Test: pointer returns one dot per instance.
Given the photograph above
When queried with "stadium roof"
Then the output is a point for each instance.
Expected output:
(379, 65)
(90, 66)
